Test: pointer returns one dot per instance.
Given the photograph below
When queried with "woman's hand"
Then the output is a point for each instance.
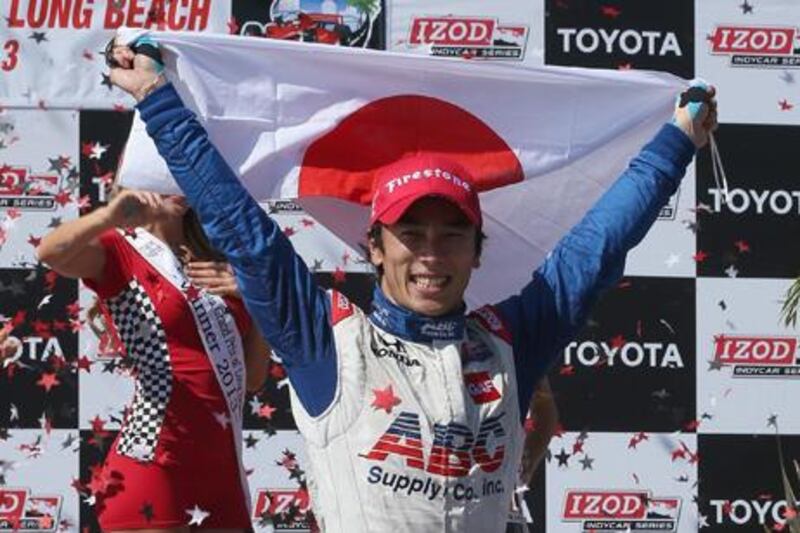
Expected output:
(131, 208)
(217, 278)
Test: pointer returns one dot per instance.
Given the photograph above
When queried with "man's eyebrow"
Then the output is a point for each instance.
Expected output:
(414, 223)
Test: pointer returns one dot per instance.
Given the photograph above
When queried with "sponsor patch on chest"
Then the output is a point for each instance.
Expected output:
(481, 387)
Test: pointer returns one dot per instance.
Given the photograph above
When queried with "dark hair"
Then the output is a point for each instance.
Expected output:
(197, 240)
(375, 236)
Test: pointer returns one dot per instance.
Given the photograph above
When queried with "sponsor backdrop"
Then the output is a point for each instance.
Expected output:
(671, 398)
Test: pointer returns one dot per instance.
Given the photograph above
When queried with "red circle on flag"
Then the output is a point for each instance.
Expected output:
(342, 163)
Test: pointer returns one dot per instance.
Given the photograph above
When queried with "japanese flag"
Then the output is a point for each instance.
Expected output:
(315, 122)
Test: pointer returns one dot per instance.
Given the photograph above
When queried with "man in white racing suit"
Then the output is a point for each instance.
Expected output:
(412, 411)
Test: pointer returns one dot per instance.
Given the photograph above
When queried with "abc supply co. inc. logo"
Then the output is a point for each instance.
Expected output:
(20, 188)
(21, 511)
(757, 46)
(623, 510)
(469, 37)
(757, 356)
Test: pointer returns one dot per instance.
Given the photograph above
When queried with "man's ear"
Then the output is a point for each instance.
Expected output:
(375, 253)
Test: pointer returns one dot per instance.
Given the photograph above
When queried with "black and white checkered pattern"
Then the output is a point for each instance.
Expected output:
(142, 333)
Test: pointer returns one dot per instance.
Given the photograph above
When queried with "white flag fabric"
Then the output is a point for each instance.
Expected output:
(314, 122)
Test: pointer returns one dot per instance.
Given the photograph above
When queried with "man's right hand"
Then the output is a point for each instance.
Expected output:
(139, 76)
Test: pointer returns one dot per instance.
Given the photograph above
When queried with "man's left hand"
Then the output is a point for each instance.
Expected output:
(696, 112)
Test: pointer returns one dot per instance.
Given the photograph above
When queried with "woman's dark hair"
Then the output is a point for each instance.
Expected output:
(197, 240)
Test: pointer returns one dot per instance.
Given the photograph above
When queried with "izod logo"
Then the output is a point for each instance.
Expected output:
(622, 510)
(752, 40)
(445, 30)
(756, 46)
(755, 350)
(757, 356)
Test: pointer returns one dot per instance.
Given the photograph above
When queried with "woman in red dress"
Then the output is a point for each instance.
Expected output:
(193, 351)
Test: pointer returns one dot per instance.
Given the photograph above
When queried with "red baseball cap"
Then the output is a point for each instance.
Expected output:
(400, 184)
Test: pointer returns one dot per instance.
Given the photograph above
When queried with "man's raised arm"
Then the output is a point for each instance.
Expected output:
(553, 306)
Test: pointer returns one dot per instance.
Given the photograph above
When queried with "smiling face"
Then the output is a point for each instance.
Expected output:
(427, 257)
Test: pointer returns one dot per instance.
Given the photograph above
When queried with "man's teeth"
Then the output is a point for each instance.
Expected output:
(430, 282)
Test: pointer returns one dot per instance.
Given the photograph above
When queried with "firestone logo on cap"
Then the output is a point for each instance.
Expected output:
(427, 173)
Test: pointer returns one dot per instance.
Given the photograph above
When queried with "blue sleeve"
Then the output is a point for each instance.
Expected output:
(280, 293)
(550, 310)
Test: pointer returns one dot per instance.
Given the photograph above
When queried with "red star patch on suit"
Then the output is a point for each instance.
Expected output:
(566, 370)
(306, 222)
(86, 149)
(48, 381)
(785, 105)
(742, 246)
(700, 256)
(34, 241)
(13, 213)
(385, 399)
(289, 231)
